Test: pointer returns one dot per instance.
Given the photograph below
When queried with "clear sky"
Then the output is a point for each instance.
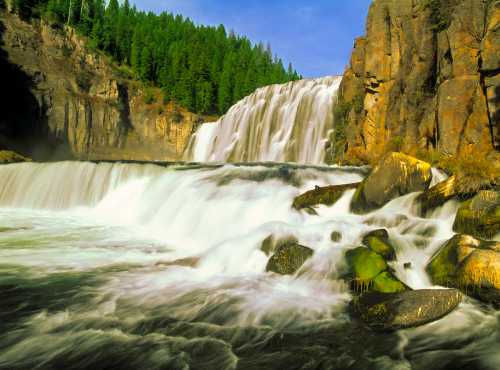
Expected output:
(315, 35)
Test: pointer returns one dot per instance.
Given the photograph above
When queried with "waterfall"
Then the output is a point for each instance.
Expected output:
(278, 123)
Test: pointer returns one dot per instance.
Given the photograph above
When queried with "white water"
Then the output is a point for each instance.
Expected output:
(278, 123)
(133, 223)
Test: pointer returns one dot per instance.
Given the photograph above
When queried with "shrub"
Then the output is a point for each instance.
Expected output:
(149, 96)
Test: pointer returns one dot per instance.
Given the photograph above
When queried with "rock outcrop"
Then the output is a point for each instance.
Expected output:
(79, 102)
(469, 264)
(395, 175)
(394, 311)
(425, 78)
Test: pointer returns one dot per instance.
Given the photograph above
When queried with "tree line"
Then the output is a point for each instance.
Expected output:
(202, 68)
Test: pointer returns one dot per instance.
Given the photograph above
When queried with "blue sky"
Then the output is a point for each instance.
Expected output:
(315, 35)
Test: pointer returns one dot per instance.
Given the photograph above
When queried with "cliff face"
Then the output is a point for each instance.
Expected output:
(426, 77)
(80, 102)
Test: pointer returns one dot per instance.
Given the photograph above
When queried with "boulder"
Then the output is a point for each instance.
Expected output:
(469, 264)
(368, 270)
(288, 258)
(438, 195)
(272, 243)
(395, 175)
(378, 242)
(7, 156)
(407, 309)
(480, 216)
(327, 195)
(335, 236)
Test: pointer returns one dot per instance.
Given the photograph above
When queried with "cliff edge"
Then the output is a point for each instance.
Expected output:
(425, 79)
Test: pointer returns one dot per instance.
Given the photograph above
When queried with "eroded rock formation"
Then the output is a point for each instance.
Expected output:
(425, 77)
(83, 105)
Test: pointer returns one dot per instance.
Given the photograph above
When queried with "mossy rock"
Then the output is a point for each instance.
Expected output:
(407, 309)
(480, 216)
(378, 242)
(364, 266)
(395, 175)
(288, 259)
(469, 264)
(7, 156)
(327, 195)
(386, 282)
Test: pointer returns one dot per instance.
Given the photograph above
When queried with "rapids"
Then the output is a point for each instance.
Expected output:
(277, 123)
(127, 266)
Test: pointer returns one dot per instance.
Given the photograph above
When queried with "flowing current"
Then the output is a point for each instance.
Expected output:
(124, 266)
(277, 123)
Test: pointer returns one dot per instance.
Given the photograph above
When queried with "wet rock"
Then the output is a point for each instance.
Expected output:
(327, 195)
(386, 282)
(438, 195)
(272, 243)
(288, 258)
(378, 242)
(480, 216)
(407, 265)
(469, 264)
(335, 236)
(7, 156)
(396, 174)
(408, 309)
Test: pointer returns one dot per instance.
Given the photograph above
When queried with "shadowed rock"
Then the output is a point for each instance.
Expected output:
(7, 156)
(327, 195)
(288, 258)
(394, 311)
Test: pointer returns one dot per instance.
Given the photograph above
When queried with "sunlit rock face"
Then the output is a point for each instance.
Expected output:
(279, 123)
(424, 78)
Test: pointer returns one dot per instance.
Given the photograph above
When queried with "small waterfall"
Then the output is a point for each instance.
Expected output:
(278, 123)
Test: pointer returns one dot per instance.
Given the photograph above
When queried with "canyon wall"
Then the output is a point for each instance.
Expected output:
(425, 78)
(63, 100)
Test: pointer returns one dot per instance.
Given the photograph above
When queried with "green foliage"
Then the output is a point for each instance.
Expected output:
(441, 13)
(149, 96)
(204, 69)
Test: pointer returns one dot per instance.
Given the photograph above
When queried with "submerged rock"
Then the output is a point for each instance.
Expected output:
(396, 174)
(378, 242)
(288, 258)
(480, 216)
(272, 243)
(408, 309)
(469, 264)
(7, 156)
(335, 236)
(327, 195)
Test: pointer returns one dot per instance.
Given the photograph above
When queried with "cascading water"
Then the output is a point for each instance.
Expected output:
(122, 266)
(278, 123)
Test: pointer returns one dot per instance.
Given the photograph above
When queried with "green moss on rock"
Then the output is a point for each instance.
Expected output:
(386, 282)
(378, 242)
(364, 266)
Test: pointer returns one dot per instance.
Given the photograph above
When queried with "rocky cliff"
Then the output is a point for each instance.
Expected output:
(63, 100)
(425, 78)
